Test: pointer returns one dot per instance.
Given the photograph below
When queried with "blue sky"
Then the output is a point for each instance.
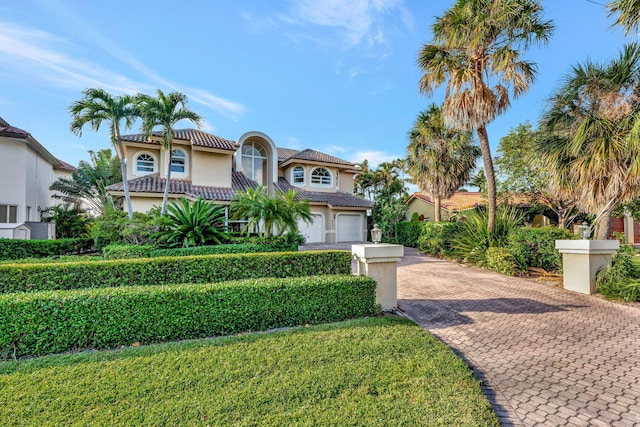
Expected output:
(335, 76)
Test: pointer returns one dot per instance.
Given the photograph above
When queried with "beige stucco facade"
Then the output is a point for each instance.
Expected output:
(422, 207)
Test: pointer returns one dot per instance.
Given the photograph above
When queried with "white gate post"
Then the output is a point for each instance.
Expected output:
(581, 261)
(380, 262)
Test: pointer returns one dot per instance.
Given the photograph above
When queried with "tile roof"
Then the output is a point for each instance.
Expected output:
(460, 201)
(11, 131)
(311, 155)
(64, 166)
(337, 198)
(154, 184)
(197, 137)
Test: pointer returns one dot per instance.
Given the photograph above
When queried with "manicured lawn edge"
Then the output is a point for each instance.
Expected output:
(50, 322)
(170, 270)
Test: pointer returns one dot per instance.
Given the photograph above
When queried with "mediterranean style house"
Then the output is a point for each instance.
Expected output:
(424, 206)
(214, 168)
(27, 173)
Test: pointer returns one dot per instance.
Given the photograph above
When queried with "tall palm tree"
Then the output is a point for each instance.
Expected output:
(592, 139)
(628, 14)
(476, 51)
(98, 106)
(165, 111)
(440, 158)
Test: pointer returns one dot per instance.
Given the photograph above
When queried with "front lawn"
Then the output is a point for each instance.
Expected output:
(378, 371)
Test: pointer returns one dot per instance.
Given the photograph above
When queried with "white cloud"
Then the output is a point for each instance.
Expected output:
(374, 157)
(335, 149)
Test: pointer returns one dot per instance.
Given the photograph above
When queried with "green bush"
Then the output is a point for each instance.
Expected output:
(620, 281)
(127, 251)
(17, 249)
(500, 260)
(114, 227)
(536, 247)
(170, 270)
(225, 249)
(286, 240)
(436, 238)
(408, 233)
(56, 321)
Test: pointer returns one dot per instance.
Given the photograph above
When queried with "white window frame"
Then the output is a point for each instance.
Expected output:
(293, 176)
(258, 152)
(7, 213)
(319, 179)
(184, 165)
(139, 172)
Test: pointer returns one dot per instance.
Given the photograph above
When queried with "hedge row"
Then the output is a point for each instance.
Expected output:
(127, 251)
(227, 249)
(56, 321)
(408, 233)
(170, 270)
(17, 249)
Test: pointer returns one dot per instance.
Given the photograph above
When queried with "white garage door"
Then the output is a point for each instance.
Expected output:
(349, 228)
(314, 232)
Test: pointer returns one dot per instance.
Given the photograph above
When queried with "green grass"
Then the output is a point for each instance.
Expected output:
(369, 372)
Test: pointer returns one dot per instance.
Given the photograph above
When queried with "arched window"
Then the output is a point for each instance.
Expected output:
(254, 162)
(321, 176)
(145, 164)
(298, 175)
(178, 161)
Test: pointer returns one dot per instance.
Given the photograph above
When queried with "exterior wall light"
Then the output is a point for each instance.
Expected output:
(376, 234)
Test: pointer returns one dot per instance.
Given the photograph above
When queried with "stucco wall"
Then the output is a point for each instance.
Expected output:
(132, 153)
(12, 176)
(144, 204)
(426, 209)
(212, 169)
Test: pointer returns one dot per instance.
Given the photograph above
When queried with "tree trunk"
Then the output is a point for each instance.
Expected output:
(490, 176)
(603, 225)
(123, 170)
(165, 196)
(438, 202)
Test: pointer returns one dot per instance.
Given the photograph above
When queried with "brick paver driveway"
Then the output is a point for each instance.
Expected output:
(546, 356)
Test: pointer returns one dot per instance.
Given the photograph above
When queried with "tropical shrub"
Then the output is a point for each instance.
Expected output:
(127, 251)
(621, 280)
(436, 238)
(17, 249)
(500, 260)
(50, 322)
(470, 244)
(170, 270)
(196, 223)
(114, 227)
(408, 233)
(71, 221)
(535, 247)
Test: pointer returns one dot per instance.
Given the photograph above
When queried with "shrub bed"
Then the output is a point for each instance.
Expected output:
(17, 249)
(56, 321)
(500, 260)
(170, 270)
(436, 238)
(621, 280)
(127, 251)
(408, 233)
(535, 247)
(226, 249)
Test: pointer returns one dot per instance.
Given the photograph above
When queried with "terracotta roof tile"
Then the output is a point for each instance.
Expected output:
(197, 137)
(314, 156)
(460, 201)
(337, 198)
(64, 166)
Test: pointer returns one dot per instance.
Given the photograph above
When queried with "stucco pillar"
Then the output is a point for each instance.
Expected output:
(380, 262)
(581, 261)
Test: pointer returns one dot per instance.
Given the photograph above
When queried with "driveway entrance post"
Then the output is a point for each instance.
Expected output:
(581, 261)
(380, 262)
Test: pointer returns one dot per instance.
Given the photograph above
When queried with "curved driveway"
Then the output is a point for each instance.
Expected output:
(545, 356)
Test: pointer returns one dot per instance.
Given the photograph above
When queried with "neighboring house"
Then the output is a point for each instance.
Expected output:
(27, 173)
(460, 201)
(205, 165)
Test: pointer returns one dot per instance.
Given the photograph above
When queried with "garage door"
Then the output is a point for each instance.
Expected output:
(349, 227)
(314, 232)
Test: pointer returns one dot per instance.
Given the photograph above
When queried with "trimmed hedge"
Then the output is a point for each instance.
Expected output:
(436, 238)
(226, 249)
(52, 322)
(17, 249)
(170, 270)
(408, 233)
(536, 247)
(127, 251)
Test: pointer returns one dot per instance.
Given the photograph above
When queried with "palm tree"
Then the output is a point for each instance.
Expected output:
(592, 135)
(628, 12)
(476, 51)
(440, 158)
(88, 183)
(97, 106)
(165, 111)
(194, 224)
(292, 210)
